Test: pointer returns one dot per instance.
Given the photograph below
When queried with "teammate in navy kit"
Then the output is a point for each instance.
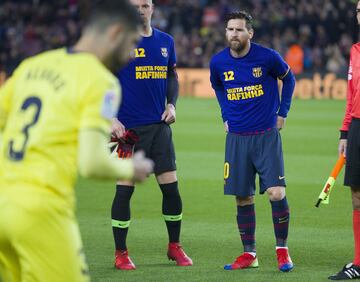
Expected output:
(245, 78)
(150, 90)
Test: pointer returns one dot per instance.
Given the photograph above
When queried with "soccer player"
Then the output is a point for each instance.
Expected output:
(349, 145)
(149, 82)
(245, 78)
(55, 119)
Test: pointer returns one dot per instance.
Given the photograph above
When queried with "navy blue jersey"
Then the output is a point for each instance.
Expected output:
(144, 80)
(247, 88)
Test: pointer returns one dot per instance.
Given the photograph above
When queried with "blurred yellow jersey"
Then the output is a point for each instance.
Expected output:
(49, 98)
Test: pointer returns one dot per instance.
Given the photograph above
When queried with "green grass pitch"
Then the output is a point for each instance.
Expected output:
(320, 240)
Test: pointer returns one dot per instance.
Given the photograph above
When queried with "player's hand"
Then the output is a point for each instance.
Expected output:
(117, 128)
(342, 147)
(169, 115)
(142, 166)
(226, 127)
(124, 146)
(280, 123)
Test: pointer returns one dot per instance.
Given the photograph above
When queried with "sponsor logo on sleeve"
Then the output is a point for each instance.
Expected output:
(110, 104)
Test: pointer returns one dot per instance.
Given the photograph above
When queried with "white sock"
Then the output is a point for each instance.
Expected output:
(281, 248)
(251, 253)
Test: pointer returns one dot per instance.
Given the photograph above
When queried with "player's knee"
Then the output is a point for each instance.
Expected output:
(276, 193)
(244, 201)
(167, 177)
(356, 198)
(125, 182)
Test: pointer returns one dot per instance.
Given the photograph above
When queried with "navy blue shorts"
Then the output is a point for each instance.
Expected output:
(156, 140)
(246, 156)
(352, 167)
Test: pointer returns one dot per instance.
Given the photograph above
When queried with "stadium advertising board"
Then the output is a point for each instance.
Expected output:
(195, 83)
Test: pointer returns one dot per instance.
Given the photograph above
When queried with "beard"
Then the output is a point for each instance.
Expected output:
(237, 46)
(117, 59)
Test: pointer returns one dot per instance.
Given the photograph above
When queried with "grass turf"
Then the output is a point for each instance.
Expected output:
(320, 240)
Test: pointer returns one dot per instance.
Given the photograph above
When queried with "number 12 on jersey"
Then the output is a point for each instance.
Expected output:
(139, 53)
(229, 75)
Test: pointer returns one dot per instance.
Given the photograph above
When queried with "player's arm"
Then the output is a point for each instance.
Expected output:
(218, 87)
(172, 91)
(347, 117)
(288, 81)
(94, 159)
(117, 128)
(281, 70)
(172, 94)
(288, 87)
(349, 102)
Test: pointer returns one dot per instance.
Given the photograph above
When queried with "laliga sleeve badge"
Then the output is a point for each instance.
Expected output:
(110, 105)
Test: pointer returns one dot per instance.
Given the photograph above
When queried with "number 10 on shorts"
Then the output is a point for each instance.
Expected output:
(226, 170)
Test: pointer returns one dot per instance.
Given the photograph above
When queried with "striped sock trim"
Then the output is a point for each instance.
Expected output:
(120, 224)
(172, 217)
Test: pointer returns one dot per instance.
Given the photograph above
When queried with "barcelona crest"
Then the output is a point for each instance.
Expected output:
(164, 52)
(257, 72)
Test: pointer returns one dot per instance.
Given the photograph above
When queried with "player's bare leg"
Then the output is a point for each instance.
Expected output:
(246, 224)
(281, 216)
(172, 212)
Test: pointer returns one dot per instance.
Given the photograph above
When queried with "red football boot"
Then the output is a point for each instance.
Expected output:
(176, 253)
(123, 261)
(245, 260)
(284, 261)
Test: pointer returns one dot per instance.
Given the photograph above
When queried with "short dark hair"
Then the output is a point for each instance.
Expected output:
(241, 15)
(106, 12)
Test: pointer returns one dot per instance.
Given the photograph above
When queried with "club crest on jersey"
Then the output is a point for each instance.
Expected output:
(164, 52)
(257, 72)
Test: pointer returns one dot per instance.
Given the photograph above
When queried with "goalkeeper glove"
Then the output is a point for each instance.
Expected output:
(125, 145)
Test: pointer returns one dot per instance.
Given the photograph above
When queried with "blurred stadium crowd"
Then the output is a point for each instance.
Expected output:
(310, 34)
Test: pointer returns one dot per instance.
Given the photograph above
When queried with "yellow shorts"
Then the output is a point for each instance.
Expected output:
(39, 238)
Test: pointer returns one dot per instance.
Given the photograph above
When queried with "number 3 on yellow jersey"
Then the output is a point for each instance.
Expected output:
(30, 102)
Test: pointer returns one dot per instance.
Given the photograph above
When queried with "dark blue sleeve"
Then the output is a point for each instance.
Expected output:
(278, 67)
(286, 93)
(172, 55)
(217, 85)
(172, 92)
(281, 70)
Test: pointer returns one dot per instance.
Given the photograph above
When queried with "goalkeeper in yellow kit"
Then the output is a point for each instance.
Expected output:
(55, 118)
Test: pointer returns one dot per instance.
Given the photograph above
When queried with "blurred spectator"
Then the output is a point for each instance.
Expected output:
(336, 62)
(30, 26)
(295, 58)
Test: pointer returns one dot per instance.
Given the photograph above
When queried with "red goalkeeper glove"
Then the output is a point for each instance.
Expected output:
(125, 145)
